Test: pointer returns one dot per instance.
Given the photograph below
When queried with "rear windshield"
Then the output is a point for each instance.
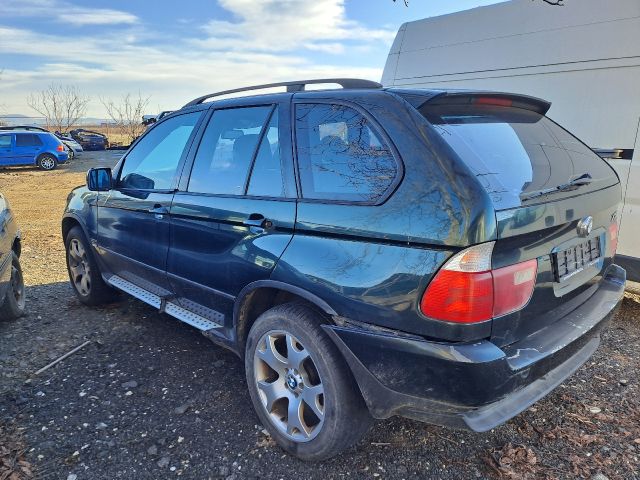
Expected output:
(516, 153)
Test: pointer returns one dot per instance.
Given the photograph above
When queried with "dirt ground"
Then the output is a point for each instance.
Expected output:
(150, 398)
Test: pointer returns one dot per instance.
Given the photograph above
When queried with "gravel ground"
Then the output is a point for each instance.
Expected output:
(151, 398)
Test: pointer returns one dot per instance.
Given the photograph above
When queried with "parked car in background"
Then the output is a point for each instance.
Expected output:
(73, 148)
(445, 256)
(149, 120)
(43, 149)
(90, 140)
(12, 298)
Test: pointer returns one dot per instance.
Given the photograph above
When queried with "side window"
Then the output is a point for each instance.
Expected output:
(5, 141)
(266, 175)
(27, 140)
(227, 150)
(153, 162)
(340, 155)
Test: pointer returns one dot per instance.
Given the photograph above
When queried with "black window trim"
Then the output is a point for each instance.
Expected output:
(375, 125)
(213, 108)
(36, 141)
(181, 161)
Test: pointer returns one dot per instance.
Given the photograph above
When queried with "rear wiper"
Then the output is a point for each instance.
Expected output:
(584, 179)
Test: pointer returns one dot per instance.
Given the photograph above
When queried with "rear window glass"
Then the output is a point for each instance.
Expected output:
(341, 156)
(515, 152)
(27, 140)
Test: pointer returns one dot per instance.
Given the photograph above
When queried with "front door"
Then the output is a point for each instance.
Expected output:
(232, 221)
(133, 218)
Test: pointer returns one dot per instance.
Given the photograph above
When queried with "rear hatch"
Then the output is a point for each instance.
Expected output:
(555, 200)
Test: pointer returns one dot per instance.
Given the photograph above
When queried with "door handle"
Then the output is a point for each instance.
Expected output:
(257, 223)
(159, 211)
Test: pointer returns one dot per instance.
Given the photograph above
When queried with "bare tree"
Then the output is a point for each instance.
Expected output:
(126, 114)
(61, 105)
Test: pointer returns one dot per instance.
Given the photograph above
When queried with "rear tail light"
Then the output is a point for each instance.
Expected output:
(613, 237)
(467, 290)
(60, 148)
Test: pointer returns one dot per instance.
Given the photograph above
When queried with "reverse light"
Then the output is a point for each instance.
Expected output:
(468, 290)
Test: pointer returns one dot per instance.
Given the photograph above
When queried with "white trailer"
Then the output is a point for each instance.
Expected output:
(584, 57)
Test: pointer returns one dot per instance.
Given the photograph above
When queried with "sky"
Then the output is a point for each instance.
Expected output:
(175, 50)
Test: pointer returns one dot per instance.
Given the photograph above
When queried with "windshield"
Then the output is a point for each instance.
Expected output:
(516, 152)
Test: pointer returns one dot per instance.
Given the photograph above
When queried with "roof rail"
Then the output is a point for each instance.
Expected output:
(297, 86)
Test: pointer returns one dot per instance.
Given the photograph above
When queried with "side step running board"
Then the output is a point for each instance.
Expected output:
(158, 302)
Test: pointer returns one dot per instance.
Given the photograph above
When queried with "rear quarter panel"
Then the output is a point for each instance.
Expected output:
(372, 263)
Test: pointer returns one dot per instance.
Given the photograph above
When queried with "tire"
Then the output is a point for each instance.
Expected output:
(47, 162)
(12, 306)
(332, 414)
(71, 154)
(84, 273)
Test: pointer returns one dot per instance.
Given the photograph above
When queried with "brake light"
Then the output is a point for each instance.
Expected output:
(613, 237)
(60, 148)
(467, 290)
(500, 102)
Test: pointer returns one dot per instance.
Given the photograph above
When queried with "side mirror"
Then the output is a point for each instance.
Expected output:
(99, 179)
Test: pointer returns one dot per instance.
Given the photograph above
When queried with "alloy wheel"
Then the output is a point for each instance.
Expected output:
(48, 163)
(289, 386)
(17, 286)
(79, 267)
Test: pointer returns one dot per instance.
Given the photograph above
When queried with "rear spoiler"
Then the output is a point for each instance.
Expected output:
(490, 98)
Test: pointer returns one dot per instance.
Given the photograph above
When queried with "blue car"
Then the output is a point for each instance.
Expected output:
(31, 148)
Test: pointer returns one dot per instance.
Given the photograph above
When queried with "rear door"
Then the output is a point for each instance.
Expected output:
(133, 218)
(7, 153)
(234, 213)
(526, 162)
(27, 147)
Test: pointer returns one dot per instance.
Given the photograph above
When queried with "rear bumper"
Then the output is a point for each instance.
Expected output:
(474, 386)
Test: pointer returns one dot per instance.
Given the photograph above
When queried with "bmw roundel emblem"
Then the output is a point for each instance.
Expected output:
(585, 226)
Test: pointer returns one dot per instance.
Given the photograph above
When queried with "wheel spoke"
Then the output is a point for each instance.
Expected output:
(311, 397)
(271, 357)
(295, 421)
(273, 391)
(85, 284)
(295, 357)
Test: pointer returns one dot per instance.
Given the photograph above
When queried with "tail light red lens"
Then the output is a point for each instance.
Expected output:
(467, 290)
(613, 237)
(60, 148)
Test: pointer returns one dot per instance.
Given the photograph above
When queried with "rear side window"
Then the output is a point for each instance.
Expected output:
(340, 155)
(514, 152)
(153, 162)
(227, 149)
(5, 141)
(27, 140)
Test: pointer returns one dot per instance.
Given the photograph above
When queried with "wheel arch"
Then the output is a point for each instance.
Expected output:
(69, 221)
(258, 297)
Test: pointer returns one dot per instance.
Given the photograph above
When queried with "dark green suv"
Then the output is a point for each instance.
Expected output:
(441, 255)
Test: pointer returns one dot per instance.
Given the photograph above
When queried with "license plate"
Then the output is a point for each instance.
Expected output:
(573, 260)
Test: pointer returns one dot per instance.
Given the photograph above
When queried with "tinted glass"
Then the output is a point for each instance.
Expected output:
(27, 140)
(227, 150)
(340, 155)
(514, 152)
(153, 161)
(266, 176)
(5, 141)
